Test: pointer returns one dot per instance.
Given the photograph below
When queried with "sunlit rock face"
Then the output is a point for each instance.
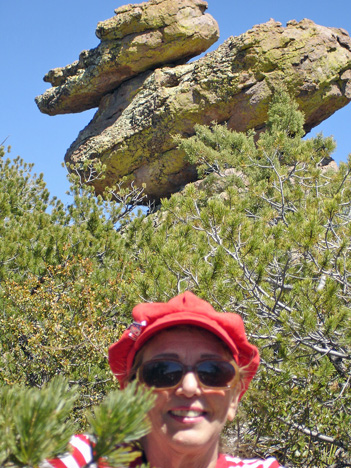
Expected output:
(139, 37)
(133, 132)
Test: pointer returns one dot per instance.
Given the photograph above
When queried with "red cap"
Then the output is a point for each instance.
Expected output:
(185, 309)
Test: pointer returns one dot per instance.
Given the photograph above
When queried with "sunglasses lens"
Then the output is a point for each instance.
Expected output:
(168, 374)
(215, 373)
(161, 374)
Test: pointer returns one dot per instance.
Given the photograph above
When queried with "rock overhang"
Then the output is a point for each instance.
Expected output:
(133, 132)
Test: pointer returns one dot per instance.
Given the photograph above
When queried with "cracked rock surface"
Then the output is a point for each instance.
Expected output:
(139, 37)
(133, 130)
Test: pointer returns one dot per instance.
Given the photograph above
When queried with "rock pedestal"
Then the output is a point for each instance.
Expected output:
(133, 132)
(138, 38)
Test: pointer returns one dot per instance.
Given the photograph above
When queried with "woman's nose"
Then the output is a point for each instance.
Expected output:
(189, 385)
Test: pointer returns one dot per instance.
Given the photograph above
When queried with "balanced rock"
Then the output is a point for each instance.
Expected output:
(139, 37)
(133, 131)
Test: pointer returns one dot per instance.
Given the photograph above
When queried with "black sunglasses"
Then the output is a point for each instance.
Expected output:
(162, 373)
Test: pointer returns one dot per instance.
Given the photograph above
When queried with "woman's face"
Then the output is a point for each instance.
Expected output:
(188, 416)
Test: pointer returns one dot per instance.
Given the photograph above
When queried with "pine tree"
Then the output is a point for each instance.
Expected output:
(265, 233)
(35, 424)
(64, 273)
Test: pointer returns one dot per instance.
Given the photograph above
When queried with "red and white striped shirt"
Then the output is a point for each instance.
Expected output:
(226, 461)
(82, 453)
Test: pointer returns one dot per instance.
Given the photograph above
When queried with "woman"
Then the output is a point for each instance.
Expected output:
(199, 363)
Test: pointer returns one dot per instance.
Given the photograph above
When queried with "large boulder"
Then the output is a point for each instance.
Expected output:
(139, 37)
(133, 131)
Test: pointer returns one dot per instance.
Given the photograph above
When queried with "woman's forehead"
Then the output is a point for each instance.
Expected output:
(185, 339)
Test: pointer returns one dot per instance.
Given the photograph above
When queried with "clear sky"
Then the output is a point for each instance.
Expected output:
(42, 34)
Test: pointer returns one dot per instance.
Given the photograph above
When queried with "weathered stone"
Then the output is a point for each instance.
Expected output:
(140, 37)
(134, 128)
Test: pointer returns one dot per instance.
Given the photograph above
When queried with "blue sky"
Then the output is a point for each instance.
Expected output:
(42, 34)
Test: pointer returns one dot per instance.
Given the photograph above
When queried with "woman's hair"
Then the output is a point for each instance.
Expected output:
(138, 360)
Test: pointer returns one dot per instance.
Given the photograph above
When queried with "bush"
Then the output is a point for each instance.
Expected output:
(265, 233)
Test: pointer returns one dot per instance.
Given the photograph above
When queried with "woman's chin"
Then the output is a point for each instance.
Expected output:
(191, 438)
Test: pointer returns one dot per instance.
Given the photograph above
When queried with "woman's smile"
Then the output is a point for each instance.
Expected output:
(190, 412)
(198, 363)
(188, 416)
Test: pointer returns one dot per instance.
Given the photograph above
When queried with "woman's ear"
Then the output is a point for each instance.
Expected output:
(233, 407)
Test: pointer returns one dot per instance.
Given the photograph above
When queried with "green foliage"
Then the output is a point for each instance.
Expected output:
(33, 422)
(266, 234)
(214, 149)
(120, 419)
(64, 274)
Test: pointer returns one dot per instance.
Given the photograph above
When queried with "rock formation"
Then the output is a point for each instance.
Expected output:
(133, 131)
(138, 38)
